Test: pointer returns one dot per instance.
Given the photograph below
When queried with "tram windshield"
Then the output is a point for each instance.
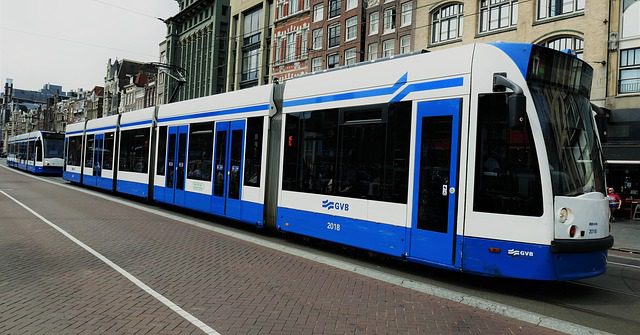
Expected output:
(53, 145)
(560, 85)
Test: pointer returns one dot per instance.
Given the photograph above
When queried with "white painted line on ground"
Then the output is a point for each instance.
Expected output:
(469, 300)
(624, 265)
(186, 315)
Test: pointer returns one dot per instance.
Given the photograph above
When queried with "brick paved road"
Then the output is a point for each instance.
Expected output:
(50, 285)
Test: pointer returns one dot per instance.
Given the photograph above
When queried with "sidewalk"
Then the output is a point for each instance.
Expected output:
(626, 234)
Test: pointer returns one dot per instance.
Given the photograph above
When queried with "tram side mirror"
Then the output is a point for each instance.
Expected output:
(517, 110)
(516, 101)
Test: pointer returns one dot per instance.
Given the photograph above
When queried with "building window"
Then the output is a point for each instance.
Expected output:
(318, 12)
(304, 48)
(350, 56)
(497, 14)
(389, 20)
(373, 23)
(552, 8)
(293, 7)
(405, 44)
(447, 23)
(333, 60)
(279, 42)
(351, 4)
(406, 14)
(334, 8)
(316, 64)
(352, 28)
(372, 51)
(575, 44)
(252, 28)
(630, 15)
(388, 47)
(629, 71)
(250, 65)
(317, 39)
(291, 47)
(334, 36)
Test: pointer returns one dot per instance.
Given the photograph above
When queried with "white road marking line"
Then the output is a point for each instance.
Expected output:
(624, 265)
(186, 315)
(469, 300)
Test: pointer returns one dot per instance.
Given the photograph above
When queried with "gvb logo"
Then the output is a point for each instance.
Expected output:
(514, 252)
(337, 206)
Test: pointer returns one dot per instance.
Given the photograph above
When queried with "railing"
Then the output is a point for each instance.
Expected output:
(629, 85)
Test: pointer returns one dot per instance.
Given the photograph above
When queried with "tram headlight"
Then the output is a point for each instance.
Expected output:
(563, 216)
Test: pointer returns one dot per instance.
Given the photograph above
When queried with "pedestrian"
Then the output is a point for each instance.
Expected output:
(614, 203)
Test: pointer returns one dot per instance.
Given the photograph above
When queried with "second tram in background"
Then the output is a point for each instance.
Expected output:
(39, 152)
(481, 159)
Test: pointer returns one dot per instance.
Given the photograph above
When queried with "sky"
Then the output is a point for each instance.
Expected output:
(70, 42)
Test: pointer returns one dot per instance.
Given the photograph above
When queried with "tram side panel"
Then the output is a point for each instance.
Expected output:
(74, 134)
(134, 153)
(348, 158)
(210, 154)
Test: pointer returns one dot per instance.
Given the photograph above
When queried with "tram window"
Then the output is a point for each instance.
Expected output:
(32, 150)
(360, 168)
(396, 162)
(38, 151)
(200, 151)
(507, 178)
(253, 155)
(107, 159)
(88, 152)
(75, 151)
(310, 148)
(365, 156)
(134, 150)
(162, 151)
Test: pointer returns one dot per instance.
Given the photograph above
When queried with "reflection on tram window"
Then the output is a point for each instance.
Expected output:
(200, 151)
(507, 174)
(353, 152)
(134, 150)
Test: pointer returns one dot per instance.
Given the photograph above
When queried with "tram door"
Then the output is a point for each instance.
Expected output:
(176, 165)
(435, 181)
(227, 168)
(98, 150)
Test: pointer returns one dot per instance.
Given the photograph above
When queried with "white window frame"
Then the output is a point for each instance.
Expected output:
(372, 51)
(406, 14)
(318, 12)
(350, 56)
(317, 39)
(388, 48)
(374, 23)
(545, 8)
(316, 64)
(351, 27)
(448, 15)
(497, 15)
(351, 4)
(293, 6)
(405, 44)
(389, 20)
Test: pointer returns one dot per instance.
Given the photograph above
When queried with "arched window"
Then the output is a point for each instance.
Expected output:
(498, 14)
(573, 43)
(630, 15)
(447, 23)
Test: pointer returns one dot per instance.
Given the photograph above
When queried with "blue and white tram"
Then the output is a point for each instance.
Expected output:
(39, 152)
(480, 159)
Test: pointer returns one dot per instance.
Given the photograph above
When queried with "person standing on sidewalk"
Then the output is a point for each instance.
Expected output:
(614, 202)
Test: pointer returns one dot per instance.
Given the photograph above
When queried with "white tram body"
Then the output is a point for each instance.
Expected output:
(39, 152)
(480, 159)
